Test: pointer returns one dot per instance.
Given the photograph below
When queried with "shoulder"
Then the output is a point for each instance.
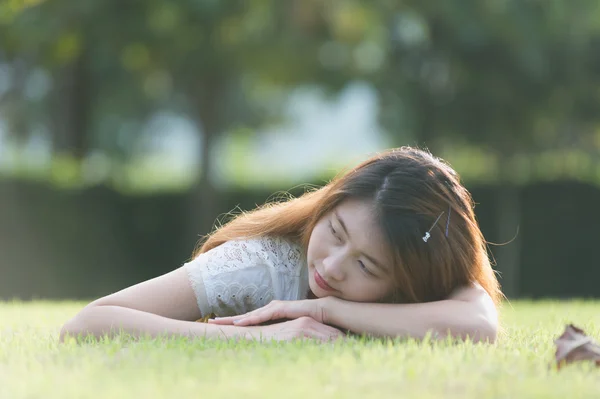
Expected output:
(279, 253)
(274, 251)
(279, 249)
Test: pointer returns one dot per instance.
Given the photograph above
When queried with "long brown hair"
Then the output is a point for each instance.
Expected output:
(409, 189)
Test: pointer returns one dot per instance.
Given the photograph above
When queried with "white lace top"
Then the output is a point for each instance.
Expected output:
(242, 275)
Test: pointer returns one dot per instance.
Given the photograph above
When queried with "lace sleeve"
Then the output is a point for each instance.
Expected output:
(242, 275)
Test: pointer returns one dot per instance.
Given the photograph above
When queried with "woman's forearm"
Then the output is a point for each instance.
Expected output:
(110, 320)
(442, 318)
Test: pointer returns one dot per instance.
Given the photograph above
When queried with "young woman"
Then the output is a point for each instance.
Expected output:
(390, 248)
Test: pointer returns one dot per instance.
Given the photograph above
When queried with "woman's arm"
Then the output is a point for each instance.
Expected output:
(166, 306)
(100, 321)
(162, 305)
(109, 320)
(469, 312)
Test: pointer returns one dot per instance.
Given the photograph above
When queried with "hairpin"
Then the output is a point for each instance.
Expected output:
(428, 233)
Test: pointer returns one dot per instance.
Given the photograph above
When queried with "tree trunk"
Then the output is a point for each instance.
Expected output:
(203, 194)
(17, 116)
(203, 208)
(71, 122)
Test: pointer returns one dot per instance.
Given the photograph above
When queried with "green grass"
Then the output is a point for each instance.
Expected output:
(34, 365)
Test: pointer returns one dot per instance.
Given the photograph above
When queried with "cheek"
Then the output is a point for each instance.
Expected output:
(317, 241)
(370, 291)
(310, 251)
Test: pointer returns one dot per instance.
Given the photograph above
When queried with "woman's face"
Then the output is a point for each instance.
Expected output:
(347, 255)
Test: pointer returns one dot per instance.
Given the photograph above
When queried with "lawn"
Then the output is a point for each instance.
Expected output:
(34, 365)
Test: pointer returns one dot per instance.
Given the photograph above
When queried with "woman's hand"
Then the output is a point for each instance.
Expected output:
(277, 310)
(301, 328)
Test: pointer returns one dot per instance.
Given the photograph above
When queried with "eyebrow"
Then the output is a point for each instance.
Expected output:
(373, 260)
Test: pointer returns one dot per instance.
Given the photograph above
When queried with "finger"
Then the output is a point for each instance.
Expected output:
(331, 332)
(267, 313)
(243, 321)
(276, 310)
(316, 332)
(258, 318)
(222, 320)
(252, 318)
(228, 320)
(317, 325)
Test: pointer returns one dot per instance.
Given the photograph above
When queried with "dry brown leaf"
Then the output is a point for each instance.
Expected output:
(574, 346)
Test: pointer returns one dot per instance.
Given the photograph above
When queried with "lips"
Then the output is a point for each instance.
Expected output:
(321, 282)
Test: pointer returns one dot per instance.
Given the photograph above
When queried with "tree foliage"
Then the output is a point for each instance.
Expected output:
(507, 76)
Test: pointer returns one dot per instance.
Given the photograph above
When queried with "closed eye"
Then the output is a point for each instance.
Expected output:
(365, 269)
(333, 231)
(362, 266)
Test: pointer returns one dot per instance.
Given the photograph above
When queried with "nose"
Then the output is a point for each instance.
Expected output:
(333, 265)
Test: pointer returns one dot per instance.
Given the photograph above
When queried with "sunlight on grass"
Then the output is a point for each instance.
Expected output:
(33, 364)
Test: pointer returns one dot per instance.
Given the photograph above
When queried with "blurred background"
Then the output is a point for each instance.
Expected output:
(127, 128)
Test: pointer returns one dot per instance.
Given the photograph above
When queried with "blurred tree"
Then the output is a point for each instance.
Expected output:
(516, 78)
(208, 59)
(512, 77)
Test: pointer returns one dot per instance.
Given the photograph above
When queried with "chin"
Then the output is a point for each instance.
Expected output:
(314, 287)
(318, 291)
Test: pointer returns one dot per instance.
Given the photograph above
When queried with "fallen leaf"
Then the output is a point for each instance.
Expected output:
(574, 346)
